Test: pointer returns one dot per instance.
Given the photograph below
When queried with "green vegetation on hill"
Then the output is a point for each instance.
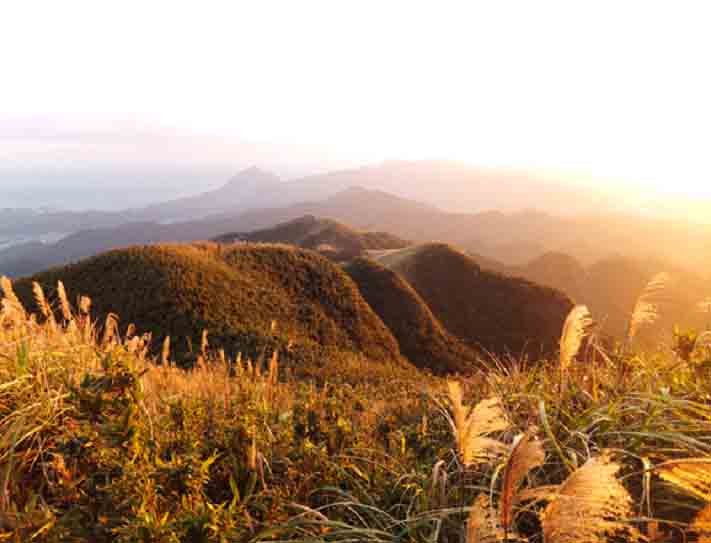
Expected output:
(482, 308)
(329, 237)
(422, 338)
(248, 297)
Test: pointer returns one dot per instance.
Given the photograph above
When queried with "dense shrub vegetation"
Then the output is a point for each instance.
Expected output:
(99, 443)
(483, 308)
(250, 298)
(422, 338)
(331, 238)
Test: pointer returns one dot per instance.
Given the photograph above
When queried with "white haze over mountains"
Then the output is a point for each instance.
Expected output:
(57, 164)
(113, 165)
(138, 101)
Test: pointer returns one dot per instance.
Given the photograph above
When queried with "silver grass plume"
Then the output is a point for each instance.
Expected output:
(576, 325)
(470, 426)
(646, 309)
(589, 506)
(526, 454)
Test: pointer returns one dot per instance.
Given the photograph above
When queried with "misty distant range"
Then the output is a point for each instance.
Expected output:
(513, 225)
(508, 217)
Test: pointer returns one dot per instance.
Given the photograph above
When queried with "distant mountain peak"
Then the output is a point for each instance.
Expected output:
(252, 176)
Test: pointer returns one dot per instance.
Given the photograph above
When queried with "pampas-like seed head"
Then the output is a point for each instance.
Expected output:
(526, 455)
(590, 505)
(11, 303)
(576, 326)
(646, 310)
(64, 302)
(471, 425)
(41, 301)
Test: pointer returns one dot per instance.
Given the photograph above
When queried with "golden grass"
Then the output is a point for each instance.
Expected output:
(287, 432)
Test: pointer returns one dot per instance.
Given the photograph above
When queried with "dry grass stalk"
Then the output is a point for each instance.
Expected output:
(64, 302)
(11, 304)
(693, 475)
(41, 301)
(438, 486)
(8, 291)
(204, 343)
(576, 326)
(273, 375)
(252, 454)
(526, 455)
(165, 352)
(471, 425)
(646, 309)
(482, 524)
(590, 505)
(110, 328)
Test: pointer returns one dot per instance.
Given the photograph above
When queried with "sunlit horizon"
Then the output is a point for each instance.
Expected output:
(608, 95)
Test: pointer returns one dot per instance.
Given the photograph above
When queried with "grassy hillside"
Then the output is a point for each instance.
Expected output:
(422, 338)
(483, 308)
(559, 271)
(99, 444)
(246, 296)
(329, 237)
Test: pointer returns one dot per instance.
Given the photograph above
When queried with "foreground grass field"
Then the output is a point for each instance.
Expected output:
(98, 442)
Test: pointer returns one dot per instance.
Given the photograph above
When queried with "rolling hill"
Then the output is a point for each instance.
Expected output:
(328, 237)
(610, 288)
(512, 238)
(251, 187)
(235, 293)
(356, 206)
(482, 308)
(422, 338)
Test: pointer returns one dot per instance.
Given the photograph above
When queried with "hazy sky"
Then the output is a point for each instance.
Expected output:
(610, 90)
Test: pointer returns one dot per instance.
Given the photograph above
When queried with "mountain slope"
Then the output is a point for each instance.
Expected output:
(329, 237)
(235, 293)
(492, 234)
(354, 206)
(610, 288)
(557, 270)
(248, 188)
(422, 338)
(482, 308)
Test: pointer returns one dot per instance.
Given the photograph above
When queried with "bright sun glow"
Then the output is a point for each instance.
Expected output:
(616, 90)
